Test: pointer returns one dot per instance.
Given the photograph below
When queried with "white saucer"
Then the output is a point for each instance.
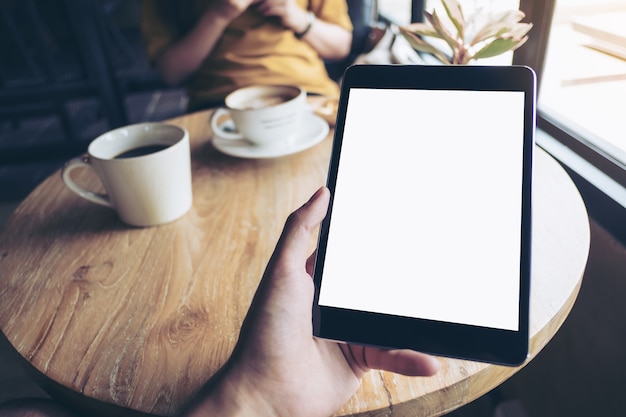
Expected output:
(311, 132)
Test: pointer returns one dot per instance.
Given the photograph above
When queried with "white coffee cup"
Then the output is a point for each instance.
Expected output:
(145, 169)
(265, 115)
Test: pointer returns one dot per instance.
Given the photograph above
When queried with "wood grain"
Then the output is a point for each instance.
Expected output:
(142, 317)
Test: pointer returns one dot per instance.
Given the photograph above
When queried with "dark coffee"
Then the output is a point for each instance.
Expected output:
(141, 151)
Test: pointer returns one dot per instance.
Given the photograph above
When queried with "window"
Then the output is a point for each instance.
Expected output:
(582, 96)
(397, 11)
(584, 79)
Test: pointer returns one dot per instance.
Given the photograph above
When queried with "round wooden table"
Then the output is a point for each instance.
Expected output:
(131, 321)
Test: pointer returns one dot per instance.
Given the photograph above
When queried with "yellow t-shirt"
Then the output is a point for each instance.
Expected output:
(252, 50)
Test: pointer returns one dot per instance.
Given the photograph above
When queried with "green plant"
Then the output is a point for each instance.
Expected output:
(501, 33)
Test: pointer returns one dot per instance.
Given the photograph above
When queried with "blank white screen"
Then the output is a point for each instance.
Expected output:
(426, 220)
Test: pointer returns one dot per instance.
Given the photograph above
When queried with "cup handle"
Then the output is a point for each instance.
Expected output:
(82, 162)
(217, 129)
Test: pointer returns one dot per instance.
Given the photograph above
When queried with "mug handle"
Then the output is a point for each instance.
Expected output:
(217, 129)
(83, 162)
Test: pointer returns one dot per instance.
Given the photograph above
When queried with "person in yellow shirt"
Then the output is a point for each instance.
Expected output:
(216, 46)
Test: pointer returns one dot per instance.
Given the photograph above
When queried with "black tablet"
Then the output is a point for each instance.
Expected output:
(426, 244)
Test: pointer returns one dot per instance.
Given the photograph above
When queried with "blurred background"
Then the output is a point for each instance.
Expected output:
(69, 71)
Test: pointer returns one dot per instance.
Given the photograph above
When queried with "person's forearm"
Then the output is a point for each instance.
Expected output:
(184, 57)
(330, 41)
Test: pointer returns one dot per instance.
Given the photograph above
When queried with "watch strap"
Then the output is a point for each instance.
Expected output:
(310, 21)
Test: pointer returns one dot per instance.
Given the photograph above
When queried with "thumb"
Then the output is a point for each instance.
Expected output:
(290, 256)
(292, 249)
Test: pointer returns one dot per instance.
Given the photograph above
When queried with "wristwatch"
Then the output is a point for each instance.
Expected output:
(310, 18)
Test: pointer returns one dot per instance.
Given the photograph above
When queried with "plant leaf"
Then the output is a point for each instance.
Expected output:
(502, 33)
(455, 13)
(501, 28)
(421, 29)
(499, 46)
(509, 16)
(490, 30)
(418, 43)
(519, 30)
(444, 34)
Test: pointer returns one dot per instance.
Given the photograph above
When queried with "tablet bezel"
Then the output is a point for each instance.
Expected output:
(470, 342)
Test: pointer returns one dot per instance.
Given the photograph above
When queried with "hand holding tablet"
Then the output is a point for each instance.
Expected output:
(427, 241)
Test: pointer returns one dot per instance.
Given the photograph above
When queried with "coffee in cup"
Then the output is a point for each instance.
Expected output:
(266, 115)
(145, 169)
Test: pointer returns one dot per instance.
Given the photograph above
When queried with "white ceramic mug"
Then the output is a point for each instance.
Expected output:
(145, 169)
(265, 115)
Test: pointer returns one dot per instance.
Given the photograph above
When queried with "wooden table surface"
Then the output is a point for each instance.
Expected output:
(107, 315)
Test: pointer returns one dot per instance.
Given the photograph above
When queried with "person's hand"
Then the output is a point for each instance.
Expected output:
(291, 15)
(184, 57)
(278, 368)
(228, 9)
